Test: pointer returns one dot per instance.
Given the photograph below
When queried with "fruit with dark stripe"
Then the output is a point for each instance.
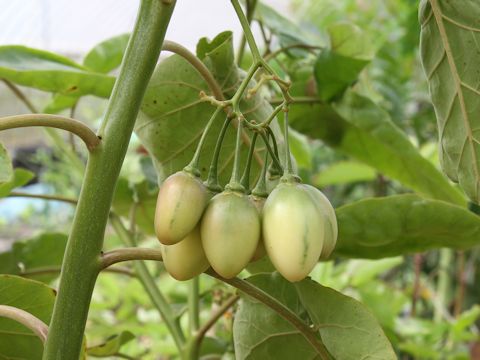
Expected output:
(180, 204)
(293, 230)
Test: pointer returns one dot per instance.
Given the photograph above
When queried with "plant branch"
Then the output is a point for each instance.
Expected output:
(251, 5)
(57, 140)
(43, 197)
(277, 52)
(309, 333)
(25, 318)
(81, 261)
(127, 254)
(56, 269)
(247, 31)
(20, 95)
(214, 318)
(200, 335)
(197, 64)
(55, 121)
(148, 282)
(297, 100)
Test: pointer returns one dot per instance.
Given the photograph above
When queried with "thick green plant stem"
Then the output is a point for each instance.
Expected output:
(81, 262)
(144, 276)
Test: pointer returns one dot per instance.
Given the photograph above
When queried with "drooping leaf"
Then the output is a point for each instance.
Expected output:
(6, 169)
(449, 49)
(360, 129)
(338, 66)
(344, 172)
(348, 330)
(17, 341)
(112, 345)
(50, 72)
(102, 58)
(403, 224)
(20, 177)
(39, 253)
(173, 117)
(107, 55)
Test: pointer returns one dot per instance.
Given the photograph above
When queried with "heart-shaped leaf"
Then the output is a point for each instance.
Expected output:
(173, 116)
(348, 330)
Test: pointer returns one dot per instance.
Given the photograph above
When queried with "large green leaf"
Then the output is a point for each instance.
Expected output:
(348, 330)
(338, 66)
(6, 170)
(403, 224)
(102, 58)
(43, 251)
(358, 127)
(20, 177)
(449, 48)
(17, 341)
(50, 72)
(107, 55)
(173, 117)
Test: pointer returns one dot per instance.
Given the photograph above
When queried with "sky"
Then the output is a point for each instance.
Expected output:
(74, 26)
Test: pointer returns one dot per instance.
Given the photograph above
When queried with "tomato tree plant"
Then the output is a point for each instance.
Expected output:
(220, 200)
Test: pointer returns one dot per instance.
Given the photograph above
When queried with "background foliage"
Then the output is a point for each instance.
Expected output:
(401, 282)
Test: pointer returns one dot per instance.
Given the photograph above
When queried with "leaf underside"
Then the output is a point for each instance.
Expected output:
(450, 51)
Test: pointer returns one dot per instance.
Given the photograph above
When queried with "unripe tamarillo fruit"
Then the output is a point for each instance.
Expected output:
(230, 230)
(293, 230)
(260, 252)
(180, 204)
(331, 226)
(186, 259)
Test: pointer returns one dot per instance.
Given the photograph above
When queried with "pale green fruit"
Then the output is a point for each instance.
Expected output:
(230, 231)
(180, 204)
(186, 259)
(331, 226)
(293, 230)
